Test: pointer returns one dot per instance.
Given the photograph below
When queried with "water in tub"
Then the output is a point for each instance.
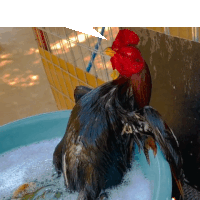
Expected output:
(32, 164)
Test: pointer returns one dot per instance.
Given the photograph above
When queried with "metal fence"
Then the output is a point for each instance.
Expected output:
(76, 48)
(66, 54)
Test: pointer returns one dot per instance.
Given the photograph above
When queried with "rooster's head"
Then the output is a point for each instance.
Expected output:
(125, 57)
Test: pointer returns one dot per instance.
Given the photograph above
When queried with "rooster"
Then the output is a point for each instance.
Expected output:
(107, 121)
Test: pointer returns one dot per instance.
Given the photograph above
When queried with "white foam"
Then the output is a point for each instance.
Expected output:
(25, 164)
(134, 186)
(34, 162)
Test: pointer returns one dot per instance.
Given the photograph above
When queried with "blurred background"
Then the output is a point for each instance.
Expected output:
(24, 88)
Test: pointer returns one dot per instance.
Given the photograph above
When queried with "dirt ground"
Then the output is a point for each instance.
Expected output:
(24, 88)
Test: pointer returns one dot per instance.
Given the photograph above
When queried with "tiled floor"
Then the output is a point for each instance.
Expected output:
(24, 88)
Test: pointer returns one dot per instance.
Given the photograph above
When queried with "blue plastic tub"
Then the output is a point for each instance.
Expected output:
(52, 125)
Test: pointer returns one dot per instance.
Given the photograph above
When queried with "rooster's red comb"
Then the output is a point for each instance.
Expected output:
(124, 38)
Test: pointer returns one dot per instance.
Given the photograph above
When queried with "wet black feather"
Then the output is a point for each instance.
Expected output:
(95, 126)
(80, 91)
(96, 153)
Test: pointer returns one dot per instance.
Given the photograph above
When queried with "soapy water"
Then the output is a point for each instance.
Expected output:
(33, 163)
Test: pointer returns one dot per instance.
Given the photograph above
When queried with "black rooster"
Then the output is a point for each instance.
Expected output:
(96, 150)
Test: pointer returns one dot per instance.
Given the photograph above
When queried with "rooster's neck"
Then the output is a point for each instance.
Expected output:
(141, 86)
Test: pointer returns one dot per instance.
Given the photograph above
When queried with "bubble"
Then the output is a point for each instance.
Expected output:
(32, 165)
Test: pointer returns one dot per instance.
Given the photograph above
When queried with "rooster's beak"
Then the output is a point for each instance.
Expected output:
(108, 51)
